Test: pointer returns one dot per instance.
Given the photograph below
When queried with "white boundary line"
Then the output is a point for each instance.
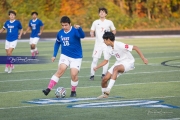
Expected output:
(100, 86)
(15, 80)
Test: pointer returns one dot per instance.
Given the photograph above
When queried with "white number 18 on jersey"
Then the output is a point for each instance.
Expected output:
(66, 43)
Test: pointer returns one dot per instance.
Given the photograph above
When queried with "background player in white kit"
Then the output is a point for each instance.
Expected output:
(37, 27)
(124, 61)
(98, 27)
(12, 27)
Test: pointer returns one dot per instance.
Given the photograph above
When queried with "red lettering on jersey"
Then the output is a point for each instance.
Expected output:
(126, 46)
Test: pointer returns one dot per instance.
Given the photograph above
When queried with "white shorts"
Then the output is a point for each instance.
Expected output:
(10, 44)
(33, 40)
(127, 66)
(72, 62)
(98, 50)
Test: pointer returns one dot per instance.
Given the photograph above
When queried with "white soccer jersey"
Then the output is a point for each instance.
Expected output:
(100, 27)
(121, 52)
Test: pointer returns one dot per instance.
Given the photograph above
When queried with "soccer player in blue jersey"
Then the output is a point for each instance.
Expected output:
(12, 27)
(36, 26)
(69, 38)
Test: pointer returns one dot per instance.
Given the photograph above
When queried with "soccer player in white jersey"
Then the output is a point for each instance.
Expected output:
(37, 27)
(124, 61)
(69, 38)
(12, 27)
(99, 27)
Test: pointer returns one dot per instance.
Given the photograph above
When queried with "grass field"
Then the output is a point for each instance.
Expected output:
(149, 92)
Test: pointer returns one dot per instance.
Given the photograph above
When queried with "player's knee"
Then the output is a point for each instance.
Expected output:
(9, 53)
(32, 46)
(119, 69)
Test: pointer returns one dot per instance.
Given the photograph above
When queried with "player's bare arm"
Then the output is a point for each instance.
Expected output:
(53, 59)
(2, 30)
(20, 34)
(26, 30)
(114, 32)
(92, 33)
(77, 26)
(42, 28)
(140, 54)
(104, 62)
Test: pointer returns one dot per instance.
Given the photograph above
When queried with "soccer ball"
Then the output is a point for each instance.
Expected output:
(60, 92)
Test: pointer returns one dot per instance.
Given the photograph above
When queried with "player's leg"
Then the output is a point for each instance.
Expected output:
(105, 67)
(75, 66)
(96, 55)
(93, 64)
(36, 39)
(104, 84)
(10, 46)
(33, 42)
(118, 70)
(55, 78)
(63, 64)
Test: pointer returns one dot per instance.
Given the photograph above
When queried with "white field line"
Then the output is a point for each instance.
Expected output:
(15, 80)
(136, 64)
(104, 100)
(100, 86)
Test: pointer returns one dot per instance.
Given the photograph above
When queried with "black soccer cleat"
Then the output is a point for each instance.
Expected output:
(102, 76)
(73, 94)
(46, 91)
(91, 78)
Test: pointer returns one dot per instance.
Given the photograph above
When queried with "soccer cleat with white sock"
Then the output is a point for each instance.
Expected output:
(46, 91)
(73, 94)
(91, 78)
(105, 95)
(6, 69)
(10, 70)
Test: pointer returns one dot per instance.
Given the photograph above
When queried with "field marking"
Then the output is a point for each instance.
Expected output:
(95, 75)
(106, 100)
(100, 86)
(136, 64)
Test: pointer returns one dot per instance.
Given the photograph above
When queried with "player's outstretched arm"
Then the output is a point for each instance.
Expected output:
(104, 62)
(140, 54)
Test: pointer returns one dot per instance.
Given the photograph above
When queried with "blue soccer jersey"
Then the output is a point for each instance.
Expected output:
(12, 30)
(35, 26)
(70, 42)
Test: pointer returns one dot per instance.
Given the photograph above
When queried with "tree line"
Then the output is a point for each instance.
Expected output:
(126, 14)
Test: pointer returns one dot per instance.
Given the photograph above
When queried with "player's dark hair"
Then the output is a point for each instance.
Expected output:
(65, 19)
(12, 12)
(109, 35)
(103, 9)
(34, 13)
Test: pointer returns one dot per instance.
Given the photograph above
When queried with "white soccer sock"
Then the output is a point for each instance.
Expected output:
(35, 49)
(105, 68)
(93, 64)
(55, 78)
(74, 83)
(103, 90)
(110, 85)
